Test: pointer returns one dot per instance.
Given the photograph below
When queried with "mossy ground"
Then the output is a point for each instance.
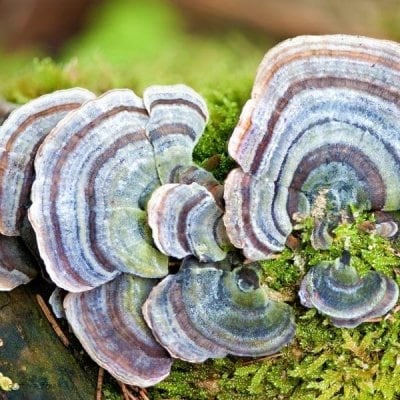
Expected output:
(323, 362)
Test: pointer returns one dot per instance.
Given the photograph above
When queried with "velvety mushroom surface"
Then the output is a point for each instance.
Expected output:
(185, 220)
(324, 116)
(109, 324)
(205, 312)
(95, 172)
(20, 136)
(336, 290)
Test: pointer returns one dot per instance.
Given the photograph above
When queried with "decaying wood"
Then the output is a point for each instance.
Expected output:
(33, 356)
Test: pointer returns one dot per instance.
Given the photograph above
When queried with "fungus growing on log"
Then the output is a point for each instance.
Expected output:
(324, 116)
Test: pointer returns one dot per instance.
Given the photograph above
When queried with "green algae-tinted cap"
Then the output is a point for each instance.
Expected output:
(178, 116)
(336, 290)
(94, 174)
(204, 312)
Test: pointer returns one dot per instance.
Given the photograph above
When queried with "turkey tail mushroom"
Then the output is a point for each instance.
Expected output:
(22, 132)
(324, 115)
(335, 289)
(95, 173)
(109, 324)
(204, 312)
(185, 220)
(178, 116)
(20, 136)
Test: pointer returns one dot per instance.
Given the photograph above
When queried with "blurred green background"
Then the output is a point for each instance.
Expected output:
(132, 44)
(208, 44)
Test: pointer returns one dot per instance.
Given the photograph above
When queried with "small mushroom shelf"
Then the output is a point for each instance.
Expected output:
(112, 193)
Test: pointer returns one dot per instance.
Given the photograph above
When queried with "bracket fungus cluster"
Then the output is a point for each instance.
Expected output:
(115, 193)
(324, 116)
(204, 312)
(321, 133)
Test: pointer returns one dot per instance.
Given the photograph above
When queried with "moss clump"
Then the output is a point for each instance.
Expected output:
(211, 152)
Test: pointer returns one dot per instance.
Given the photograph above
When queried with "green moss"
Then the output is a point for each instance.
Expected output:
(323, 362)
(224, 106)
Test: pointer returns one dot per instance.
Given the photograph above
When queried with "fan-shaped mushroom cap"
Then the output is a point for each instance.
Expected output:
(16, 264)
(206, 312)
(324, 114)
(336, 290)
(178, 116)
(185, 220)
(20, 137)
(109, 324)
(95, 172)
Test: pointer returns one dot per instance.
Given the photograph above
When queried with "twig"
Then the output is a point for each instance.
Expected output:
(99, 387)
(125, 392)
(47, 313)
(256, 360)
(143, 394)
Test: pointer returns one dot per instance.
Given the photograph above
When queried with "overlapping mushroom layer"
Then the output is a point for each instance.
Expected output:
(336, 290)
(109, 324)
(204, 312)
(186, 220)
(22, 132)
(95, 173)
(20, 136)
(324, 115)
